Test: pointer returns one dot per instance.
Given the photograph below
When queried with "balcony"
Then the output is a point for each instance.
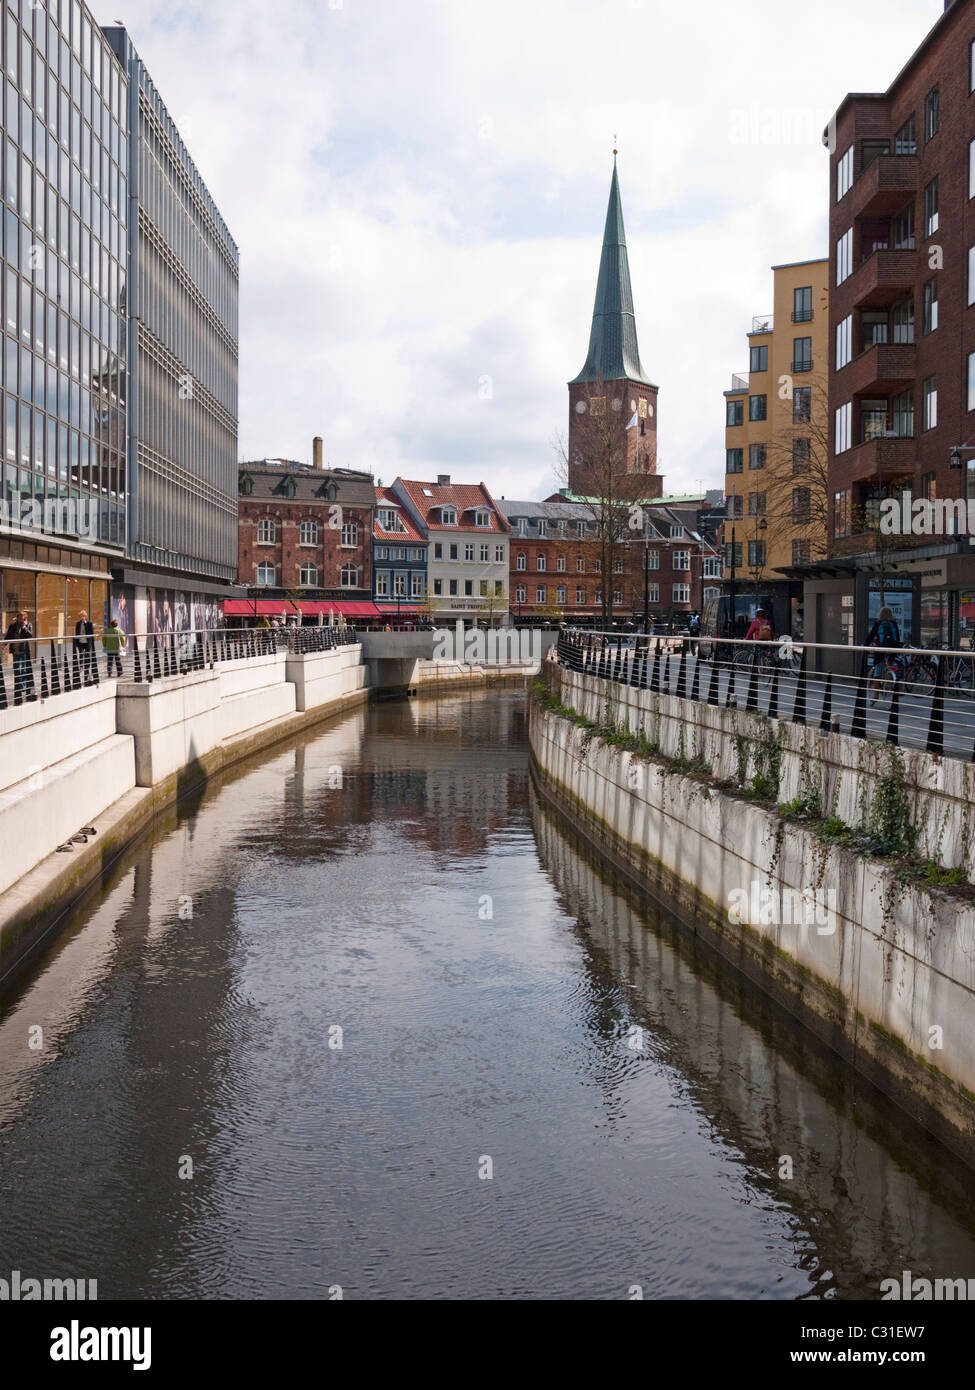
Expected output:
(738, 383)
(763, 323)
(882, 370)
(882, 279)
(876, 458)
(886, 184)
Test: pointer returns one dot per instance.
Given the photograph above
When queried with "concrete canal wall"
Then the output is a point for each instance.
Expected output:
(881, 970)
(112, 756)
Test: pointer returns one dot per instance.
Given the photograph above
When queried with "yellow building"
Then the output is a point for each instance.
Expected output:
(776, 448)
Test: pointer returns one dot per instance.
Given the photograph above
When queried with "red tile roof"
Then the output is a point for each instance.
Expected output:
(385, 495)
(464, 496)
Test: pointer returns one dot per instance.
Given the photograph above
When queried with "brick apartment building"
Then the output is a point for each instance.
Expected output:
(902, 342)
(556, 562)
(305, 537)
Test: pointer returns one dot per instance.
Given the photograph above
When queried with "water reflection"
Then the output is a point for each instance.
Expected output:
(391, 876)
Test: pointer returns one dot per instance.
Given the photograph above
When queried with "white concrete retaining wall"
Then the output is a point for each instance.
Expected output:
(845, 770)
(175, 723)
(883, 972)
(320, 678)
(253, 693)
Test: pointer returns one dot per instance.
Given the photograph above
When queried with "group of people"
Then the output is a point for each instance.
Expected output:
(19, 637)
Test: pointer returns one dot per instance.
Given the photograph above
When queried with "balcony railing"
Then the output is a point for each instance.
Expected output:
(739, 382)
(802, 315)
(763, 323)
(802, 364)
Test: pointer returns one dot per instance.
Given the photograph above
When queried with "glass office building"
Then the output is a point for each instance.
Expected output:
(182, 355)
(63, 247)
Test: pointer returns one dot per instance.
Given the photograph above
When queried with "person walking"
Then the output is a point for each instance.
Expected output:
(113, 641)
(19, 635)
(84, 645)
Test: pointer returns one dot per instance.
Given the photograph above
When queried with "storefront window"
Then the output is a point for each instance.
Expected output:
(50, 606)
(966, 619)
(934, 620)
(18, 593)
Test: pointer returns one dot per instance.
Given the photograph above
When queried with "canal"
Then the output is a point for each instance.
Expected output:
(365, 1017)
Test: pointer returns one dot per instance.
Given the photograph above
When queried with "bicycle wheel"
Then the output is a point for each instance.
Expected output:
(919, 678)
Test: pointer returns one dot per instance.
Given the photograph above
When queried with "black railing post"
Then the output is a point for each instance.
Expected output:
(655, 670)
(751, 696)
(773, 695)
(696, 682)
(799, 703)
(3, 689)
(826, 713)
(156, 667)
(711, 698)
(936, 724)
(75, 669)
(858, 725)
(893, 716)
(55, 672)
(45, 691)
(137, 659)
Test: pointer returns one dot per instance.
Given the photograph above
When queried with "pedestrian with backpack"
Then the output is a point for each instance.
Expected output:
(884, 633)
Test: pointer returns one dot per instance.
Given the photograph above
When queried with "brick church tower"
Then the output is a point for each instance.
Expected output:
(613, 386)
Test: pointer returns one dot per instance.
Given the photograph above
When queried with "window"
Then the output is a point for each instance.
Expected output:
(580, 595)
(308, 533)
(801, 498)
(485, 553)
(399, 586)
(452, 588)
(871, 150)
(929, 391)
(266, 573)
(931, 208)
(932, 113)
(499, 554)
(523, 526)
(844, 174)
(802, 310)
(438, 550)
(844, 424)
(801, 552)
(971, 381)
(757, 407)
(560, 593)
(802, 404)
(676, 532)
(735, 413)
(801, 454)
(448, 516)
(438, 588)
(904, 320)
(971, 274)
(759, 359)
(844, 341)
(468, 588)
(349, 577)
(757, 455)
(902, 415)
(382, 583)
(382, 552)
(734, 507)
(712, 567)
(521, 594)
(560, 564)
(452, 551)
(540, 562)
(540, 594)
(756, 554)
(905, 141)
(733, 460)
(873, 419)
(682, 559)
(266, 531)
(468, 552)
(387, 520)
(841, 513)
(542, 528)
(617, 595)
(682, 593)
(580, 564)
(350, 534)
(416, 585)
(929, 490)
(732, 555)
(617, 566)
(308, 576)
(652, 559)
(930, 318)
(653, 593)
(844, 257)
(902, 230)
(971, 169)
(521, 561)
(499, 588)
(482, 517)
(756, 504)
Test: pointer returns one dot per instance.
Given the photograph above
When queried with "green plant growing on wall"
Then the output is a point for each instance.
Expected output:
(890, 830)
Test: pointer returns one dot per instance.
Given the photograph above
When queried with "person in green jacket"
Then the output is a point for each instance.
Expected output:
(113, 641)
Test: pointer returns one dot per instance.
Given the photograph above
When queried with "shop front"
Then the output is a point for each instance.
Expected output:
(53, 585)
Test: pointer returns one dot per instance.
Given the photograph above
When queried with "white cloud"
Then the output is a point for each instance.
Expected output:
(418, 190)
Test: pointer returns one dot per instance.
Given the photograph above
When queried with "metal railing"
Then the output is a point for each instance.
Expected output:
(763, 323)
(39, 668)
(910, 697)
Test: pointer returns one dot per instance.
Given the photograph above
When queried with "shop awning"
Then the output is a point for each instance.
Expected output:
(309, 608)
(387, 607)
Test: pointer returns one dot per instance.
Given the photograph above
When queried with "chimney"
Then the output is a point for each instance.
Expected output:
(316, 452)
(443, 480)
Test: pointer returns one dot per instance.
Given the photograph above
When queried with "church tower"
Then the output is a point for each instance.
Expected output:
(613, 384)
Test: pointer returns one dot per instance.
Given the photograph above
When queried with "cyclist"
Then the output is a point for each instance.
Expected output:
(760, 629)
(884, 633)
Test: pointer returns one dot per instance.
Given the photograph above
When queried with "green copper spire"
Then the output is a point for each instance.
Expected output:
(613, 349)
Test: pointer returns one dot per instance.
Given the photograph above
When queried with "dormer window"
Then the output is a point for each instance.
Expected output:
(541, 527)
(245, 484)
(331, 492)
(388, 520)
(289, 487)
(448, 516)
(482, 518)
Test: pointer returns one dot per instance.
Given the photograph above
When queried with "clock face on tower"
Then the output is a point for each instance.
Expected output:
(632, 405)
(580, 407)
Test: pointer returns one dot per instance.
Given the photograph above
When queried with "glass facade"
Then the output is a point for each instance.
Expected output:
(182, 348)
(63, 244)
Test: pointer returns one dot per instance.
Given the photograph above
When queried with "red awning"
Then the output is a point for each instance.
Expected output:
(389, 609)
(309, 608)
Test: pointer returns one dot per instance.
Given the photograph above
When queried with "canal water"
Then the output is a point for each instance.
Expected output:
(365, 1018)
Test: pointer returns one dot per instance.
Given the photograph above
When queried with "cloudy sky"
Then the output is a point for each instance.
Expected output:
(418, 190)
